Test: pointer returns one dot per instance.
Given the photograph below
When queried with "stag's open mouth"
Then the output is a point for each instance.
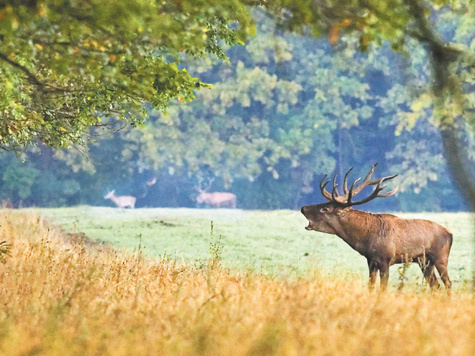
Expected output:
(308, 227)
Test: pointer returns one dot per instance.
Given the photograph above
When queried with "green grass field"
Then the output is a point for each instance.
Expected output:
(269, 242)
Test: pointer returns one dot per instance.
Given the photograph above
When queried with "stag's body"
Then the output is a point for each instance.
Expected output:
(121, 201)
(383, 239)
(217, 200)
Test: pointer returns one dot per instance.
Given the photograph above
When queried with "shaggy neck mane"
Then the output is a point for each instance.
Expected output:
(356, 225)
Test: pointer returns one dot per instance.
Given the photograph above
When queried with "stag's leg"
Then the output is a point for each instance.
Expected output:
(442, 261)
(444, 275)
(373, 274)
(384, 274)
(429, 275)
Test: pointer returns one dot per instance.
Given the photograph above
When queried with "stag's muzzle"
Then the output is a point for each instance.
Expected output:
(304, 210)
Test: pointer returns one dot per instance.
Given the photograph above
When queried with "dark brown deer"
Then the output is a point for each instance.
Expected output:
(383, 239)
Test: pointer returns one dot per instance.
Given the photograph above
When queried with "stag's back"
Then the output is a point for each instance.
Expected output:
(414, 237)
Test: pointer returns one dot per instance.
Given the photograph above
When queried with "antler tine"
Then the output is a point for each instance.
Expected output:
(345, 186)
(210, 183)
(322, 188)
(335, 193)
(388, 194)
(370, 197)
(350, 194)
(335, 196)
(199, 181)
(367, 180)
(324, 177)
(392, 192)
(371, 171)
(376, 193)
(335, 190)
(390, 177)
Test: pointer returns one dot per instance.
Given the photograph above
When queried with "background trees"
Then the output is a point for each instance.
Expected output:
(289, 108)
(449, 50)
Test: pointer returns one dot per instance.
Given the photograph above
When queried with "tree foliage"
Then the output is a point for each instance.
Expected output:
(289, 109)
(68, 65)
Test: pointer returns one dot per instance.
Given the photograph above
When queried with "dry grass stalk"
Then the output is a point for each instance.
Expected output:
(66, 298)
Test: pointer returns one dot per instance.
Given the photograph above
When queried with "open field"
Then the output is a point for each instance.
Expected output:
(270, 242)
(64, 297)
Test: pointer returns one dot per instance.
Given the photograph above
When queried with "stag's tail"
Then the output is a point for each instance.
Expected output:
(450, 239)
(445, 244)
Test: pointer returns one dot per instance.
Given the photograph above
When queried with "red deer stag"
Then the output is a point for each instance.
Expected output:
(383, 239)
(121, 201)
(217, 199)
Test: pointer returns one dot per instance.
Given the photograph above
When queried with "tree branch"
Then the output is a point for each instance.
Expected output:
(44, 87)
(31, 77)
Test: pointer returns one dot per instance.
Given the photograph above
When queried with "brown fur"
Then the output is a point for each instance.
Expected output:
(386, 239)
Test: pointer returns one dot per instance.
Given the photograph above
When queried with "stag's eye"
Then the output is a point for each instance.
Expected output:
(324, 209)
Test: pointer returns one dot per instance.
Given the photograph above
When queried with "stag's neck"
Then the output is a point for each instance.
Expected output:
(356, 227)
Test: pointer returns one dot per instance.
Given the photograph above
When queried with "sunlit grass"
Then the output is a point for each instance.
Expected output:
(61, 296)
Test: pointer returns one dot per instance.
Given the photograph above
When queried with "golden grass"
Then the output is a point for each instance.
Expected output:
(61, 297)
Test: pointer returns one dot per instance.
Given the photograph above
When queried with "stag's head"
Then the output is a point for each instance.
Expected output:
(202, 192)
(109, 195)
(201, 197)
(323, 217)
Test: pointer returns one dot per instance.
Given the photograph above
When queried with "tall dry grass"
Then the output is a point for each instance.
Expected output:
(63, 297)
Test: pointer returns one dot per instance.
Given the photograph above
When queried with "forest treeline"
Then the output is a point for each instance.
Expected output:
(288, 109)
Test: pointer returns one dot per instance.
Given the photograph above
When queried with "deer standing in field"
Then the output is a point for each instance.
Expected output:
(121, 201)
(216, 199)
(383, 239)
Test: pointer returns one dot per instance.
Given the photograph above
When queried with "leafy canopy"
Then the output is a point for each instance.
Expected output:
(67, 65)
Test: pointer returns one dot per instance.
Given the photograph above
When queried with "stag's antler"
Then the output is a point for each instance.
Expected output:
(208, 187)
(347, 198)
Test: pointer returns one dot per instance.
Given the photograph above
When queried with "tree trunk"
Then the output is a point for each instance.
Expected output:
(447, 88)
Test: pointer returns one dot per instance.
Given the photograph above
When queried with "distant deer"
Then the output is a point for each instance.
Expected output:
(383, 239)
(151, 181)
(121, 201)
(216, 199)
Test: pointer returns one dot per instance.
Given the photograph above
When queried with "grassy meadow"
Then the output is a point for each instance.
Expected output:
(63, 294)
(274, 243)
